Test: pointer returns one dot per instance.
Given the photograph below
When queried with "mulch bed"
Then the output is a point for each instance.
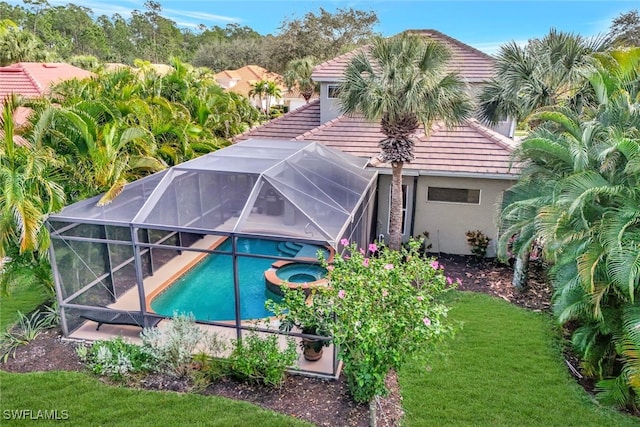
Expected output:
(322, 402)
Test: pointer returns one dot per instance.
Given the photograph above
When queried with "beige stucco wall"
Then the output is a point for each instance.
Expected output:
(329, 108)
(447, 223)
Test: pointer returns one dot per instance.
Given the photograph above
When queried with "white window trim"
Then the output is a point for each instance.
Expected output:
(404, 210)
(329, 87)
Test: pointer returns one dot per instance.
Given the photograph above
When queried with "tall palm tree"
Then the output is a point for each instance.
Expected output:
(298, 76)
(28, 189)
(403, 83)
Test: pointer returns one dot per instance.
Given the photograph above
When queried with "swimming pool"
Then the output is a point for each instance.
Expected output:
(207, 289)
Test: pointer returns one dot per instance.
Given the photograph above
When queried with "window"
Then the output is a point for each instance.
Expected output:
(453, 195)
(332, 91)
(403, 225)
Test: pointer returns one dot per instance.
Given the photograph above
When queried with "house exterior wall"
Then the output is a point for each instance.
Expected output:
(329, 108)
(448, 222)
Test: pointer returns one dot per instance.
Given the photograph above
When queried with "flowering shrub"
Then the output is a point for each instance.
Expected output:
(381, 306)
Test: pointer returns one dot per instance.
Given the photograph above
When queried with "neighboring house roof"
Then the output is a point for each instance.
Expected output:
(245, 78)
(288, 126)
(33, 79)
(473, 65)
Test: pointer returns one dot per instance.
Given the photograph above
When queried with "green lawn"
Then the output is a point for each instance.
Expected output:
(502, 369)
(88, 402)
(24, 299)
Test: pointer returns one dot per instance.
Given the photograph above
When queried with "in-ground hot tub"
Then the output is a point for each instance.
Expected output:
(296, 275)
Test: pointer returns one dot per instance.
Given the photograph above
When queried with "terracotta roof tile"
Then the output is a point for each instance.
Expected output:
(33, 79)
(288, 126)
(473, 65)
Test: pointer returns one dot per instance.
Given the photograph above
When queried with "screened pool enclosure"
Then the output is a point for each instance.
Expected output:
(198, 237)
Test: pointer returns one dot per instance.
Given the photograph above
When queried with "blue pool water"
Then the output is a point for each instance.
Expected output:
(207, 289)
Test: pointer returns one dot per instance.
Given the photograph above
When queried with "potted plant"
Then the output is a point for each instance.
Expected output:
(309, 314)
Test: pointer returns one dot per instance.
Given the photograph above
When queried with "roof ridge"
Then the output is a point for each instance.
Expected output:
(495, 136)
(278, 119)
(33, 80)
(453, 40)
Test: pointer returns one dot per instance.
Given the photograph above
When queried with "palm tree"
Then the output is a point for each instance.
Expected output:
(28, 190)
(258, 90)
(546, 72)
(272, 93)
(403, 83)
(580, 194)
(298, 76)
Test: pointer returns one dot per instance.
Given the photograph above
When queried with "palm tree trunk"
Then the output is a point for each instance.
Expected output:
(521, 271)
(395, 211)
(373, 418)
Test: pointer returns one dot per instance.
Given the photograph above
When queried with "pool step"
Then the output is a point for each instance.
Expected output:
(289, 248)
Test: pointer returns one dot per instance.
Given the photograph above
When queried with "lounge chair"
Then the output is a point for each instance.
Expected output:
(133, 318)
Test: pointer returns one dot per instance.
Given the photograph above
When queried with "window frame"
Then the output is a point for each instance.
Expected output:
(478, 203)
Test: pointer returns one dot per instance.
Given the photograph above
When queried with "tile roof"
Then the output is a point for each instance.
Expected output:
(246, 77)
(33, 79)
(473, 65)
(288, 126)
(469, 148)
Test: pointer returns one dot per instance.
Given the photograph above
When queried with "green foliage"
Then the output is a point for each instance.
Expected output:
(260, 359)
(387, 306)
(173, 346)
(23, 332)
(381, 307)
(116, 358)
(578, 197)
(479, 242)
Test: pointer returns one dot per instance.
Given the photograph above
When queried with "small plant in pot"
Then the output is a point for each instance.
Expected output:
(309, 314)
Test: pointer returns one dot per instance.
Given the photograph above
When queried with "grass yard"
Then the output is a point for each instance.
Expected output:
(502, 369)
(89, 402)
(24, 299)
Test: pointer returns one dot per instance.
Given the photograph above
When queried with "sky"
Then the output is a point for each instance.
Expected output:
(484, 24)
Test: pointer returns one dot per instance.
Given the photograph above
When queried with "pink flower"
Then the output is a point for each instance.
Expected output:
(449, 280)
(344, 242)
(373, 247)
(341, 293)
(427, 321)
(389, 267)
(366, 262)
(458, 281)
(434, 264)
(330, 267)
(384, 293)
(362, 251)
(420, 298)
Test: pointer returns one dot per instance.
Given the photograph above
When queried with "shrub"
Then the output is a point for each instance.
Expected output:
(387, 306)
(260, 359)
(26, 330)
(116, 358)
(479, 243)
(175, 345)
